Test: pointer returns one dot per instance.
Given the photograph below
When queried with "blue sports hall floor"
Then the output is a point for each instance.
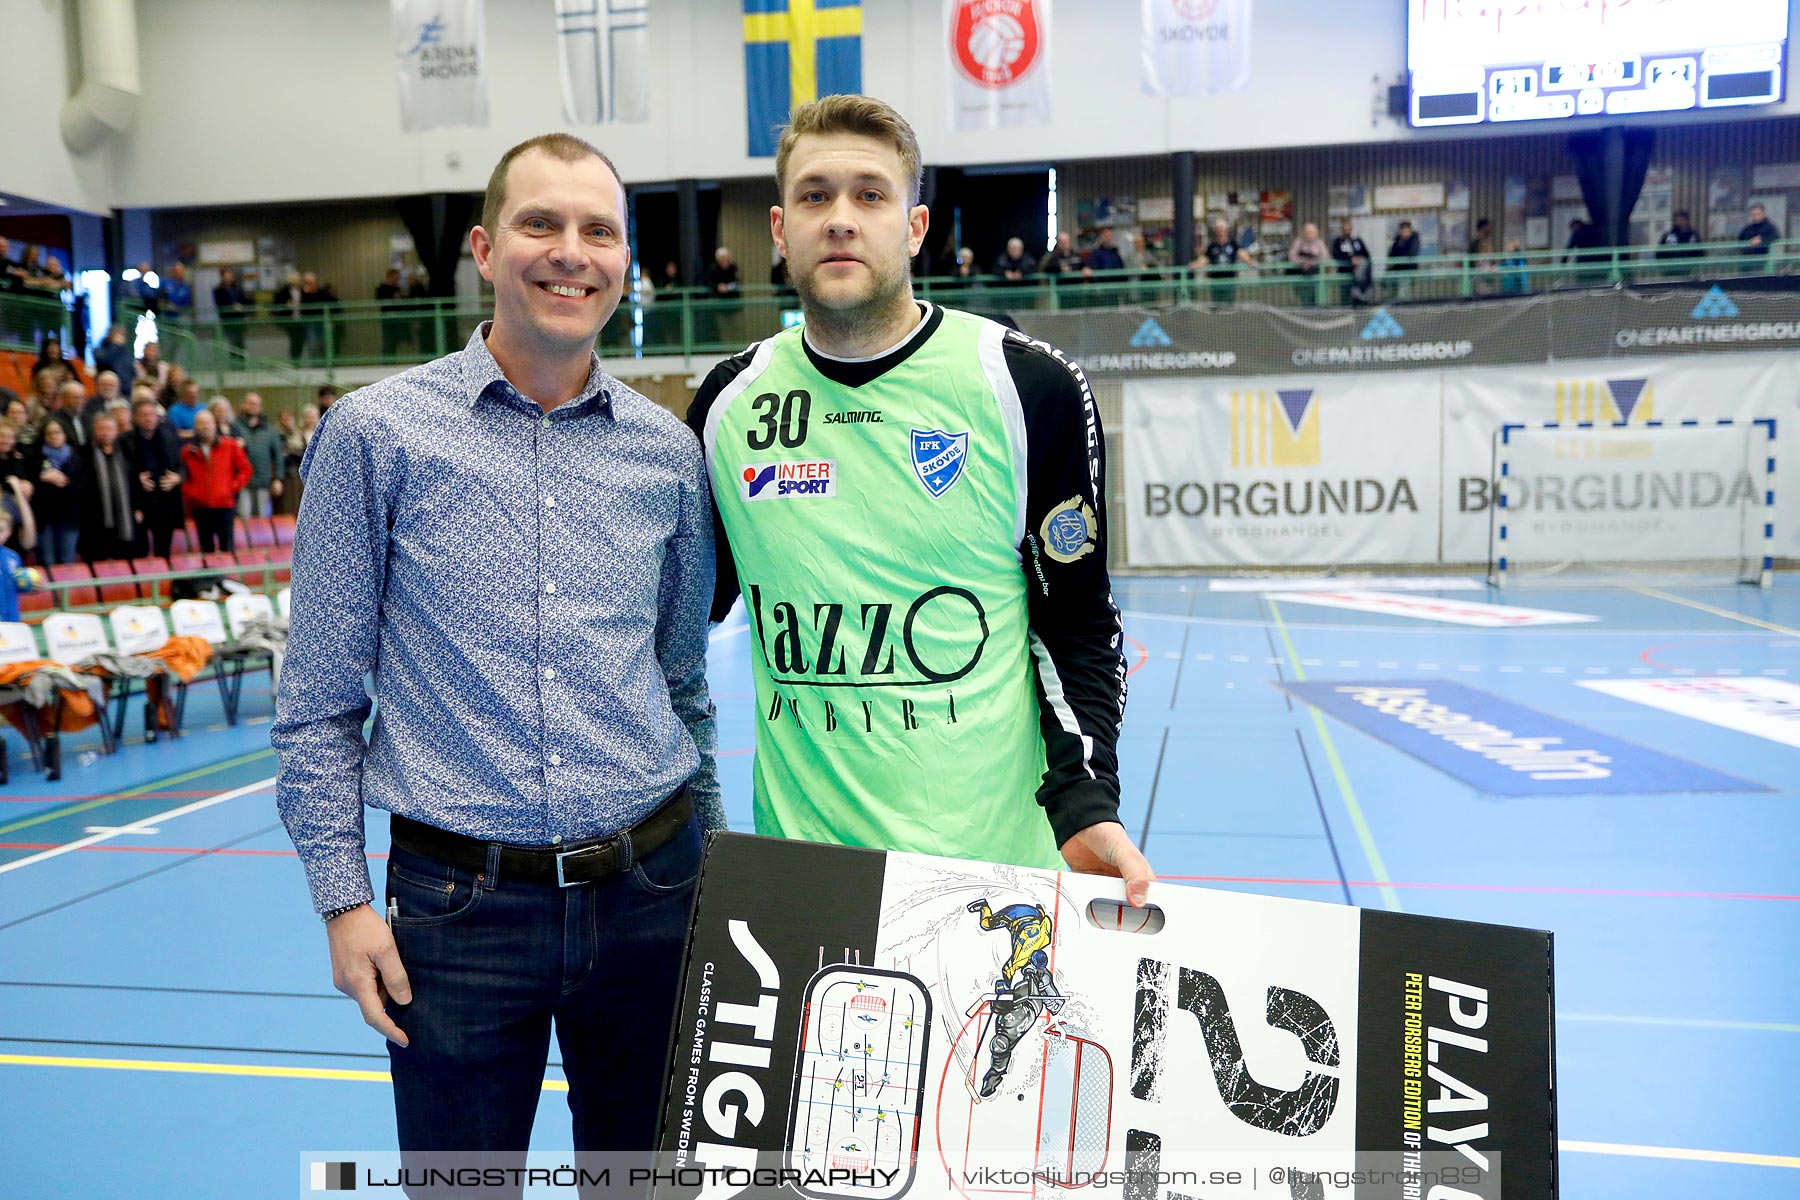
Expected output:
(168, 1027)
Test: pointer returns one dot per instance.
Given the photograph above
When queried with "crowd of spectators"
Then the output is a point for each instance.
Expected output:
(112, 470)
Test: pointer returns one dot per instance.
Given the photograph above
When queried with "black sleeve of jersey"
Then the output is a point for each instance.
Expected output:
(725, 586)
(1076, 632)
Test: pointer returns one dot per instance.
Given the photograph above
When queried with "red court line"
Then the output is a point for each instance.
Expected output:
(106, 848)
(1485, 887)
(1143, 656)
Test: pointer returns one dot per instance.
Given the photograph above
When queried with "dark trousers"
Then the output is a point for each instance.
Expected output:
(496, 963)
(156, 536)
(213, 525)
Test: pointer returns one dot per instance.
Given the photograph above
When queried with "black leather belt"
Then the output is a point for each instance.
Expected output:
(567, 866)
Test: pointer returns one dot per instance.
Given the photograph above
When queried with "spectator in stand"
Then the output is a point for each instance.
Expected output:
(1307, 253)
(50, 354)
(1481, 243)
(964, 270)
(106, 393)
(15, 413)
(669, 278)
(1403, 253)
(155, 454)
(31, 267)
(185, 408)
(109, 526)
(1013, 267)
(1105, 255)
(1761, 234)
(722, 276)
(216, 471)
(151, 368)
(56, 502)
(114, 354)
(1351, 254)
(1515, 279)
(16, 461)
(177, 295)
(143, 290)
(46, 381)
(325, 398)
(1222, 257)
(12, 274)
(394, 331)
(427, 326)
(234, 306)
(268, 459)
(53, 281)
(229, 425)
(1584, 237)
(65, 413)
(293, 449)
(1681, 232)
(289, 298)
(316, 301)
(1061, 263)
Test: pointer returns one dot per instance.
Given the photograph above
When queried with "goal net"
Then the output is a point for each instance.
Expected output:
(1587, 503)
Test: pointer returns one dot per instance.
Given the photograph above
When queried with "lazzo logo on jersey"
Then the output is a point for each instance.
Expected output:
(789, 480)
(938, 458)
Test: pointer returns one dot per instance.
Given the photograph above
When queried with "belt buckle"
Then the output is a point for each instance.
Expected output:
(596, 848)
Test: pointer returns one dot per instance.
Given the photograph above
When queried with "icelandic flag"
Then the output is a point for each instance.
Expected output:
(794, 52)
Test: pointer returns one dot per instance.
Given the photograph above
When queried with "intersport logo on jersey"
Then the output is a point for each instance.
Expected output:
(816, 479)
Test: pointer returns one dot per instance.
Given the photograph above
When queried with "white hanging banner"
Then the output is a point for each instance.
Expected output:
(440, 56)
(1196, 47)
(605, 50)
(999, 69)
(1302, 470)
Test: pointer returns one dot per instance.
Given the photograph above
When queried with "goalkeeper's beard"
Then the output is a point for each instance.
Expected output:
(890, 296)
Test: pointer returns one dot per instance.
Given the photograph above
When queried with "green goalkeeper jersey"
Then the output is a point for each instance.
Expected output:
(919, 542)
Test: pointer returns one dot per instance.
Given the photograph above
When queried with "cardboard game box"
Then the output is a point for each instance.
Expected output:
(873, 1025)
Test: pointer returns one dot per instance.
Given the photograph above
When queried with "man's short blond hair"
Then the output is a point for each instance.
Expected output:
(564, 147)
(862, 115)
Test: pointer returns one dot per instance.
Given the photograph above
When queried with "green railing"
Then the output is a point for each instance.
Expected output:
(278, 350)
(26, 319)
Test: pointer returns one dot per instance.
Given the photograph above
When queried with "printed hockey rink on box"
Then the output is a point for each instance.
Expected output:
(168, 1027)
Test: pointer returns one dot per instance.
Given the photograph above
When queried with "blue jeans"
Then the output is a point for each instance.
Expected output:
(57, 542)
(496, 963)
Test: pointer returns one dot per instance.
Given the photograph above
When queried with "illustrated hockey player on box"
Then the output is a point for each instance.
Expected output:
(1025, 987)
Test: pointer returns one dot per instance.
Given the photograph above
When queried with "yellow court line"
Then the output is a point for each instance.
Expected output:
(1717, 612)
(156, 786)
(203, 1068)
(558, 1085)
(1389, 897)
(1718, 1156)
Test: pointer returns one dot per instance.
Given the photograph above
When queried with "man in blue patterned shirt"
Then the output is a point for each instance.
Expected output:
(519, 549)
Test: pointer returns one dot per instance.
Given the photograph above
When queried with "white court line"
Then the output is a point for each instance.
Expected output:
(727, 631)
(1716, 1156)
(1461, 630)
(136, 826)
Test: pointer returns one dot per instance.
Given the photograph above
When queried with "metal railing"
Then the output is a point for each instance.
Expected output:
(277, 349)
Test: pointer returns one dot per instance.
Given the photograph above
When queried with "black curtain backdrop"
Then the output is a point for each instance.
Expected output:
(1611, 165)
(439, 225)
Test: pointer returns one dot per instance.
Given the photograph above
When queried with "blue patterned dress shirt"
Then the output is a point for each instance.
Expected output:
(530, 593)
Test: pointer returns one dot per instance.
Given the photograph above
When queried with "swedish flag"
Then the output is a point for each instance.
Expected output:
(796, 51)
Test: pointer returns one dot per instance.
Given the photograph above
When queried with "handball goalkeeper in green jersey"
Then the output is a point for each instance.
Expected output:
(912, 500)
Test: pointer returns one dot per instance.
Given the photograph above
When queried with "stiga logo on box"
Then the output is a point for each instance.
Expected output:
(790, 480)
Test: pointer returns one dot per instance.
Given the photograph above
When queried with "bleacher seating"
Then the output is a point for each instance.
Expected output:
(259, 532)
(252, 558)
(284, 529)
(152, 566)
(78, 597)
(115, 593)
